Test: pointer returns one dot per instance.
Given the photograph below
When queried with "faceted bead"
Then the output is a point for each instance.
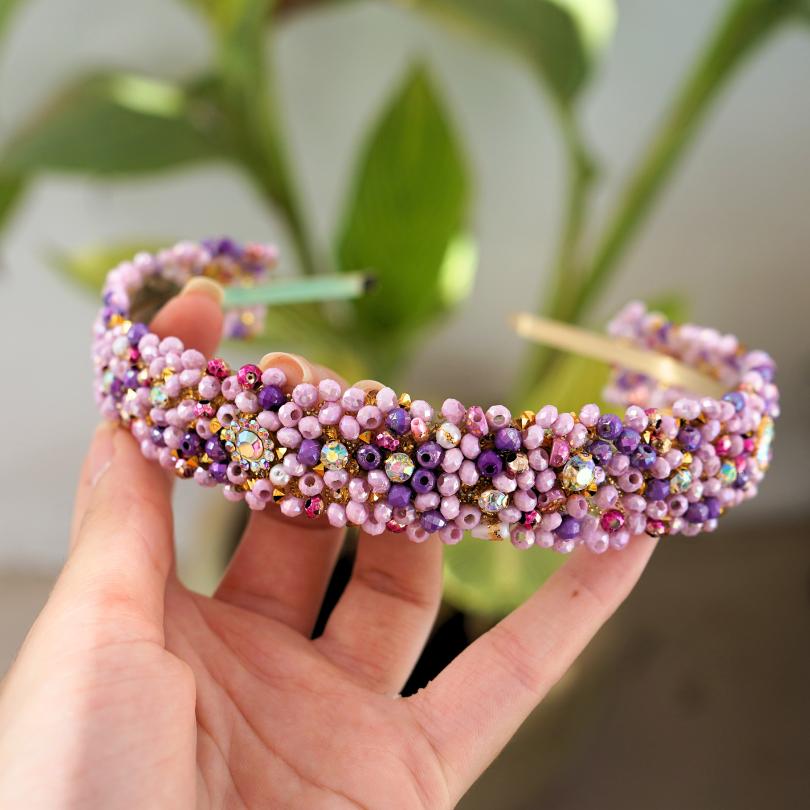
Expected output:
(399, 496)
(578, 473)
(643, 457)
(475, 421)
(697, 513)
(369, 457)
(508, 438)
(612, 520)
(386, 440)
(398, 420)
(249, 376)
(489, 463)
(448, 435)
(492, 501)
(334, 455)
(559, 452)
(689, 438)
(399, 467)
(680, 482)
(309, 452)
(433, 521)
(517, 463)
(568, 528)
(657, 490)
(313, 506)
(627, 441)
(429, 455)
(271, 398)
(423, 481)
(608, 426)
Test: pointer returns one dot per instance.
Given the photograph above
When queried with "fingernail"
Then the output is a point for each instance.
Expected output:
(292, 365)
(200, 285)
(101, 452)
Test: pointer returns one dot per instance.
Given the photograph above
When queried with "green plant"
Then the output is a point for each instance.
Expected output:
(406, 211)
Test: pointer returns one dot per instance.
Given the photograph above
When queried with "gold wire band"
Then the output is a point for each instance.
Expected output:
(661, 367)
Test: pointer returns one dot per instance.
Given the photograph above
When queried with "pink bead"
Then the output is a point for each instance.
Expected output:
(426, 501)
(619, 539)
(305, 395)
(330, 413)
(254, 502)
(373, 527)
(636, 418)
(498, 417)
(450, 507)
(226, 414)
(329, 390)
(382, 512)
(172, 386)
(173, 437)
(356, 513)
(336, 515)
(550, 521)
(546, 416)
(686, 408)
(533, 437)
(293, 466)
(263, 489)
(450, 534)
(631, 481)
(504, 483)
(545, 480)
(524, 500)
(416, 533)
(232, 494)
(468, 473)
(636, 522)
(370, 417)
(230, 388)
(290, 414)
(209, 387)
(310, 484)
(452, 460)
(606, 496)
(336, 479)
(422, 410)
(578, 436)
(349, 427)
(559, 452)
(470, 446)
(634, 503)
(387, 399)
(618, 465)
(359, 490)
(309, 427)
(292, 507)
(190, 377)
(563, 424)
(192, 359)
(453, 411)
(543, 539)
(247, 402)
(288, 437)
(589, 414)
(448, 484)
(538, 459)
(378, 481)
(521, 537)
(236, 475)
(469, 516)
(660, 468)
(274, 376)
(577, 506)
(269, 420)
(353, 399)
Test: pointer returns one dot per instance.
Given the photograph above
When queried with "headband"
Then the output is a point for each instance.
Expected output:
(672, 464)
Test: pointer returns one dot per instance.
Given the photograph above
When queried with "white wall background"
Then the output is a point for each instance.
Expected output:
(733, 230)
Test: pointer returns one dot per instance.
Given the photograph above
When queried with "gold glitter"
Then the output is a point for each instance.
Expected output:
(526, 419)
(215, 425)
(404, 400)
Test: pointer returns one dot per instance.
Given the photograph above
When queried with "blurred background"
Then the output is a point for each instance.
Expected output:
(481, 156)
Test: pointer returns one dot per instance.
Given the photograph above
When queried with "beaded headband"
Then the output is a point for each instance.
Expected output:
(671, 465)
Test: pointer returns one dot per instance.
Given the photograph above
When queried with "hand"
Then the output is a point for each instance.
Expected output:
(133, 692)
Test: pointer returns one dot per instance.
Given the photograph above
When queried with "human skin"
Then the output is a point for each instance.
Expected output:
(131, 691)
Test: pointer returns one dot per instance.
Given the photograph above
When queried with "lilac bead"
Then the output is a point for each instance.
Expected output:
(399, 495)
(353, 399)
(489, 463)
(386, 399)
(156, 435)
(689, 438)
(508, 439)
(627, 441)
(470, 446)
(136, 332)
(425, 501)
(448, 484)
(309, 427)
(247, 402)
(369, 457)
(274, 376)
(423, 481)
(532, 437)
(329, 390)
(330, 413)
(288, 437)
(452, 460)
(271, 398)
(378, 481)
(349, 427)
(636, 418)
(546, 416)
(398, 420)
(563, 424)
(468, 473)
(606, 496)
(209, 387)
(432, 521)
(453, 411)
(305, 395)
(577, 506)
(643, 457)
(309, 452)
(498, 417)
(370, 417)
(469, 516)
(589, 414)
(422, 410)
(568, 528)
(609, 426)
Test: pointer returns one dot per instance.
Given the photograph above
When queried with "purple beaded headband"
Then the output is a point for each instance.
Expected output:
(672, 465)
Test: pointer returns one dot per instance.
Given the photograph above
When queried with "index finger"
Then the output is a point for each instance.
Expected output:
(472, 709)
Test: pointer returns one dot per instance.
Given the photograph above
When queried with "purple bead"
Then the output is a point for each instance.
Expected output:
(428, 455)
(399, 495)
(713, 505)
(136, 332)
(432, 521)
(689, 438)
(736, 399)
(309, 452)
(602, 451)
(657, 490)
(369, 457)
(271, 398)
(568, 529)
(609, 426)
(219, 471)
(628, 440)
(489, 463)
(191, 444)
(643, 457)
(508, 438)
(697, 513)
(423, 481)
(399, 420)
(131, 378)
(156, 434)
(215, 450)
(741, 480)
(116, 388)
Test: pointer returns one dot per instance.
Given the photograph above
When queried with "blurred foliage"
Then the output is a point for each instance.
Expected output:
(406, 214)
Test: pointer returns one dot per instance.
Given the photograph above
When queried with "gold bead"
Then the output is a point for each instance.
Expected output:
(404, 400)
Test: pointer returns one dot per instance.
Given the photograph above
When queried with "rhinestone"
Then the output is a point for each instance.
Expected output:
(578, 473)
(158, 396)
(399, 467)
(765, 438)
(492, 501)
(728, 472)
(334, 455)
(681, 481)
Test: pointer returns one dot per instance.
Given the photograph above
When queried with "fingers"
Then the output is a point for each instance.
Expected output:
(195, 317)
(381, 622)
(477, 703)
(282, 566)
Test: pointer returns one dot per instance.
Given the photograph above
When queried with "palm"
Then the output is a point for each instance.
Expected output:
(279, 724)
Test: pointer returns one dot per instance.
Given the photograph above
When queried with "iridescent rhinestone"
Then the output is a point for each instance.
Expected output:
(107, 380)
(578, 473)
(655, 528)
(612, 520)
(765, 439)
(681, 481)
(728, 472)
(334, 455)
(492, 501)
(399, 467)
(249, 444)
(158, 396)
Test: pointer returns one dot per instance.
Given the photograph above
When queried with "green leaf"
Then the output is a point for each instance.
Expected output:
(492, 578)
(559, 38)
(405, 217)
(116, 125)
